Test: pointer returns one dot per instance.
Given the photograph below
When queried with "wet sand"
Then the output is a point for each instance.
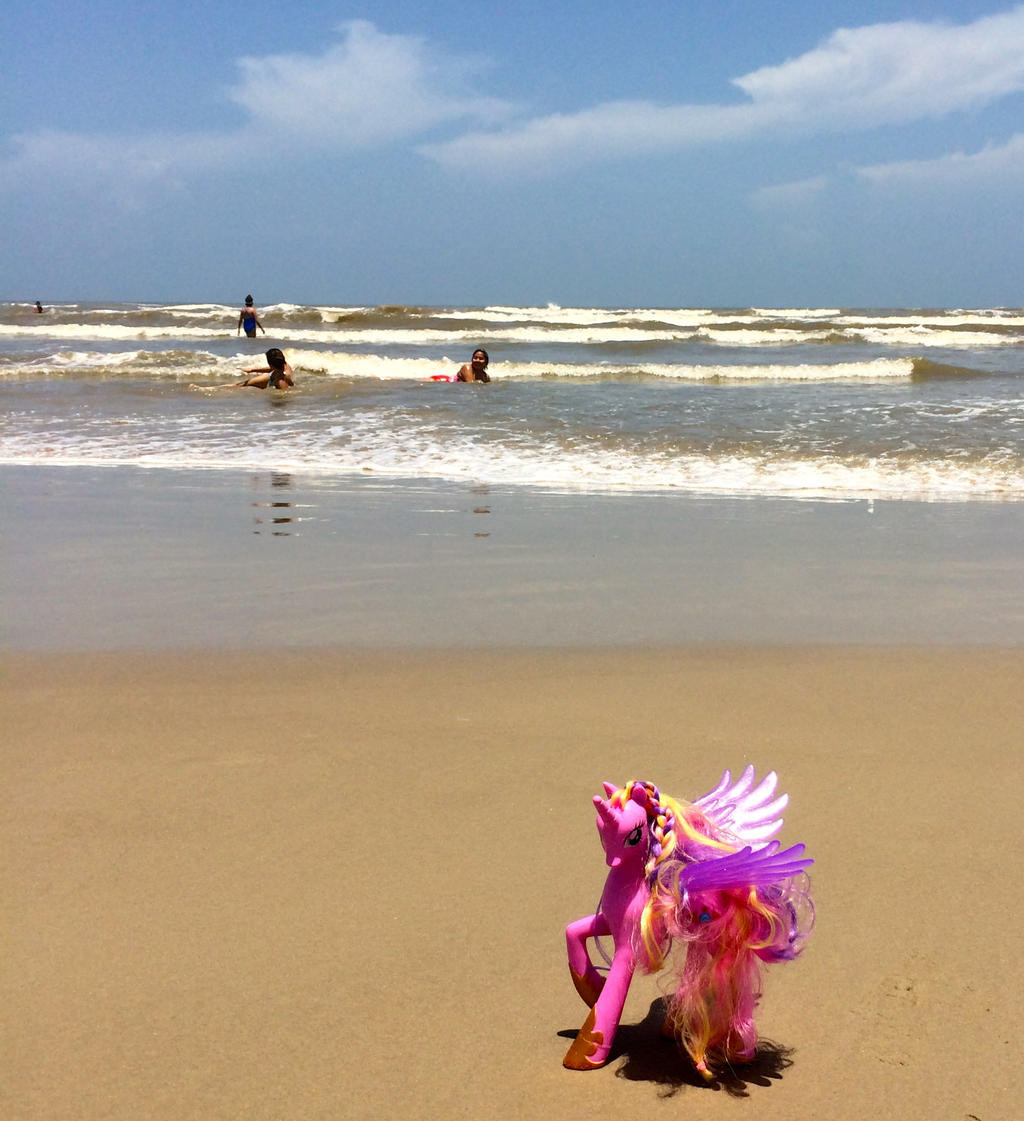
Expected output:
(117, 558)
(305, 847)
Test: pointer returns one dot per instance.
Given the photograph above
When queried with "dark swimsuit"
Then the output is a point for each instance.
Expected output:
(249, 326)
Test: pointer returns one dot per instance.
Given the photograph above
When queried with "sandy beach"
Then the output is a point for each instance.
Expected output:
(324, 881)
(336, 886)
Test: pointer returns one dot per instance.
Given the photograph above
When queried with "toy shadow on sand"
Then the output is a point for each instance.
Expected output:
(648, 1056)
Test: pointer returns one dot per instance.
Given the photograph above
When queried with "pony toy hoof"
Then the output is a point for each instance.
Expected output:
(705, 874)
(586, 1052)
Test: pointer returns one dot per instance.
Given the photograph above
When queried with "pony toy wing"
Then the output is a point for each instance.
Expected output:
(745, 868)
(748, 814)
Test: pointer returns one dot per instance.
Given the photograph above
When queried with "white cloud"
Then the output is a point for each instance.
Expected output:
(1002, 163)
(896, 72)
(121, 170)
(368, 89)
(616, 128)
(996, 167)
(92, 158)
(790, 195)
(858, 78)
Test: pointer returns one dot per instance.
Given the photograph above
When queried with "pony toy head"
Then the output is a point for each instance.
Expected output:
(637, 826)
(623, 824)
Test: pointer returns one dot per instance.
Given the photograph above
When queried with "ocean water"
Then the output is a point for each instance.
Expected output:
(825, 403)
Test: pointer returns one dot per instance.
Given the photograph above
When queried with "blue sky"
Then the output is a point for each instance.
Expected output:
(833, 153)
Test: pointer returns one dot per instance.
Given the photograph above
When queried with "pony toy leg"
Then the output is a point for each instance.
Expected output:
(594, 1040)
(623, 834)
(586, 979)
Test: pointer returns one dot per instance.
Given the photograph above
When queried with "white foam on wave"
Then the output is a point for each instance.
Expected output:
(346, 365)
(193, 309)
(114, 332)
(526, 326)
(140, 363)
(555, 316)
(89, 359)
(878, 369)
(391, 450)
(777, 336)
(924, 335)
(365, 449)
(329, 314)
(794, 313)
(341, 364)
(340, 333)
(997, 318)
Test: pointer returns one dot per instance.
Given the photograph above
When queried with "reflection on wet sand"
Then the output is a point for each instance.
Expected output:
(278, 480)
(482, 509)
(278, 515)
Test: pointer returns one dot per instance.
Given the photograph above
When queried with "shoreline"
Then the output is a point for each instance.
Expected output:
(334, 883)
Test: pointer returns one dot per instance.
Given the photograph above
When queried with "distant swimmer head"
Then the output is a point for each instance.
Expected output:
(248, 301)
(275, 358)
(483, 353)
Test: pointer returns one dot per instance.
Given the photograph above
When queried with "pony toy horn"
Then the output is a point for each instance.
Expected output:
(690, 873)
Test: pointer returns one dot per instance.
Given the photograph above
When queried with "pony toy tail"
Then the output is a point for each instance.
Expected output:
(729, 935)
(719, 985)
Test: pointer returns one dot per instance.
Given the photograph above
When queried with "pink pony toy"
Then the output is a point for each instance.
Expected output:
(690, 873)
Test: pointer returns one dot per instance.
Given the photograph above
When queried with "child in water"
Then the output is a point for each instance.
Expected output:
(277, 374)
(476, 368)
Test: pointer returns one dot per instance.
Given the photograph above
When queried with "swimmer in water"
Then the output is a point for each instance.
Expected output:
(277, 374)
(476, 368)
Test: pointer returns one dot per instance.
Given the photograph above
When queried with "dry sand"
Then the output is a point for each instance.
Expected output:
(333, 885)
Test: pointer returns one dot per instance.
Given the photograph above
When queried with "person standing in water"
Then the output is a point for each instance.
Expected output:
(248, 319)
(476, 368)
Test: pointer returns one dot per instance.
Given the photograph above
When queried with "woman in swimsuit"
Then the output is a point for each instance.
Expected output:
(248, 319)
(476, 368)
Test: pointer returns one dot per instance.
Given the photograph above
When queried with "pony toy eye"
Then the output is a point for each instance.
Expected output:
(634, 837)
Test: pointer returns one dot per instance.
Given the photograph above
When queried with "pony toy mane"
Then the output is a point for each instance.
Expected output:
(689, 873)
